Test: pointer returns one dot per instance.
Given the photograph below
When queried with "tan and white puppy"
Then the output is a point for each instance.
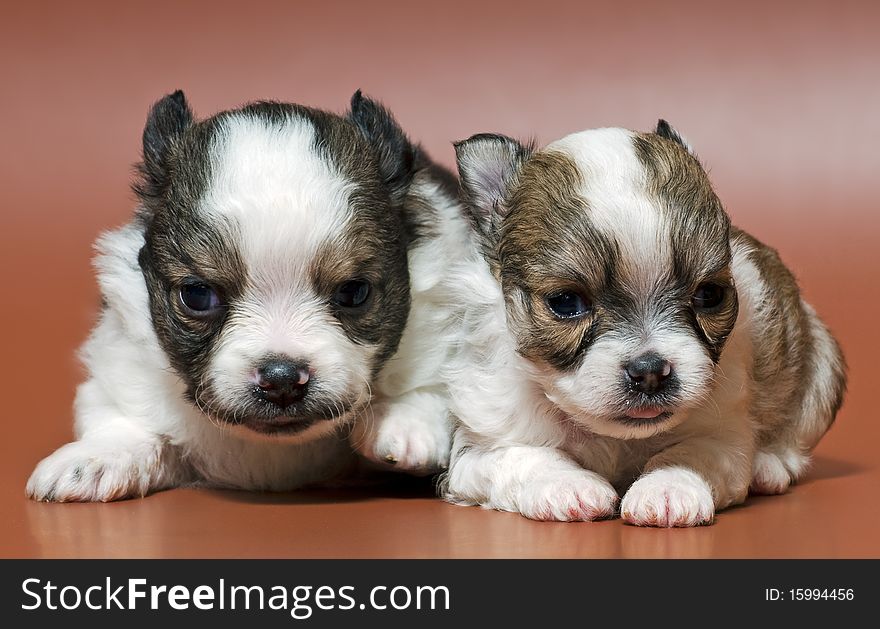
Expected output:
(620, 338)
(267, 308)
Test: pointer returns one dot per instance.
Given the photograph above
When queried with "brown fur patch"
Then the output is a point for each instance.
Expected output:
(780, 356)
(547, 244)
(785, 362)
(699, 229)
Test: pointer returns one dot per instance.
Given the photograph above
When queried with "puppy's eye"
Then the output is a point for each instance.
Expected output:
(708, 296)
(199, 298)
(352, 293)
(568, 304)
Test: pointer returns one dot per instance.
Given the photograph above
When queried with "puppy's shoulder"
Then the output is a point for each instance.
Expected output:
(440, 236)
(121, 281)
(751, 256)
(116, 253)
(432, 204)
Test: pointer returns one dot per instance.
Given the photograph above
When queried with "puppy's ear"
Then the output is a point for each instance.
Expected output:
(166, 122)
(489, 165)
(665, 130)
(396, 154)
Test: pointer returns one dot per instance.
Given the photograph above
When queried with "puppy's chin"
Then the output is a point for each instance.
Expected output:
(292, 432)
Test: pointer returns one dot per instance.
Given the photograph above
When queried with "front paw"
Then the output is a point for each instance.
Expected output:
(402, 441)
(567, 497)
(669, 497)
(87, 472)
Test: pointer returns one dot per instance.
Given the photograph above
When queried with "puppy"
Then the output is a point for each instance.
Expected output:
(621, 338)
(269, 301)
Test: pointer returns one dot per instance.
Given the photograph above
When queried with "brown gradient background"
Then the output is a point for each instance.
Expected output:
(781, 100)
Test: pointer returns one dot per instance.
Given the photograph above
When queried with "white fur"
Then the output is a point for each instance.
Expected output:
(135, 431)
(413, 432)
(541, 483)
(619, 205)
(827, 358)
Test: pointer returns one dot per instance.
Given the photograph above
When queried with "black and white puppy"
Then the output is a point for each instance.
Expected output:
(620, 336)
(266, 309)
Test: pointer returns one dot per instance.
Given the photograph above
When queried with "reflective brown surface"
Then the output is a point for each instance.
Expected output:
(780, 101)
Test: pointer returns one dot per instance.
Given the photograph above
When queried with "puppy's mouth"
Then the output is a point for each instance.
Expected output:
(290, 421)
(268, 421)
(645, 415)
(279, 426)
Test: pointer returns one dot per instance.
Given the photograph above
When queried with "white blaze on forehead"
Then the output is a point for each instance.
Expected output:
(615, 189)
(284, 200)
(283, 197)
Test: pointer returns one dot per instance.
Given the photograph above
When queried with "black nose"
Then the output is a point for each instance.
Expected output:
(282, 382)
(648, 373)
